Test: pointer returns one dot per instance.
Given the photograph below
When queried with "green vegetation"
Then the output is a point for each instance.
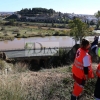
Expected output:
(98, 17)
(46, 84)
(79, 29)
(34, 11)
(13, 29)
(10, 32)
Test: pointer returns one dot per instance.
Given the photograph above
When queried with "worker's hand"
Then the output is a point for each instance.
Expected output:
(86, 77)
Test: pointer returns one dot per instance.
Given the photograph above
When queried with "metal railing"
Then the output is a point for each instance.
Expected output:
(21, 52)
(21, 49)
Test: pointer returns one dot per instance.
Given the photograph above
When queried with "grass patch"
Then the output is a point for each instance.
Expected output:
(46, 84)
(26, 31)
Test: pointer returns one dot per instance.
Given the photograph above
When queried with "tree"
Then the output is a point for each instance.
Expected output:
(11, 21)
(74, 33)
(92, 23)
(97, 15)
(88, 23)
(52, 23)
(34, 11)
(60, 14)
(51, 11)
(79, 29)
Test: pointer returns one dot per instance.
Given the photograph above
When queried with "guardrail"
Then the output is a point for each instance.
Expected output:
(21, 49)
(16, 53)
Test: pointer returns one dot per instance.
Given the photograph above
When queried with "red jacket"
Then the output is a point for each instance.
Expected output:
(78, 68)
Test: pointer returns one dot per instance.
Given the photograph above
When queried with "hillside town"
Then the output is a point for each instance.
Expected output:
(56, 17)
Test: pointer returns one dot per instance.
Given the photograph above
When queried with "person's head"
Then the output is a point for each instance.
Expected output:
(85, 44)
(96, 37)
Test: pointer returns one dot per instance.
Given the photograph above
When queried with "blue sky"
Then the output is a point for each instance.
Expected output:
(69, 6)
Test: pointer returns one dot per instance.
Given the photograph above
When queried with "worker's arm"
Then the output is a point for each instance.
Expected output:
(86, 64)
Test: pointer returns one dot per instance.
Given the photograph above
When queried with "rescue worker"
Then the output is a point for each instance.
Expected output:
(81, 69)
(96, 50)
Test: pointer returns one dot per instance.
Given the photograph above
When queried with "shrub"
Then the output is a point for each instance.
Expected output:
(21, 67)
(11, 89)
(18, 34)
(2, 64)
(91, 29)
(2, 28)
(16, 30)
(6, 34)
(24, 36)
(57, 33)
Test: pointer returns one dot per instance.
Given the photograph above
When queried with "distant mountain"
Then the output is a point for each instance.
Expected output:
(3, 13)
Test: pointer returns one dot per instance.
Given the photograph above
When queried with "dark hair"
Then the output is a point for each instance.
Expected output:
(84, 43)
